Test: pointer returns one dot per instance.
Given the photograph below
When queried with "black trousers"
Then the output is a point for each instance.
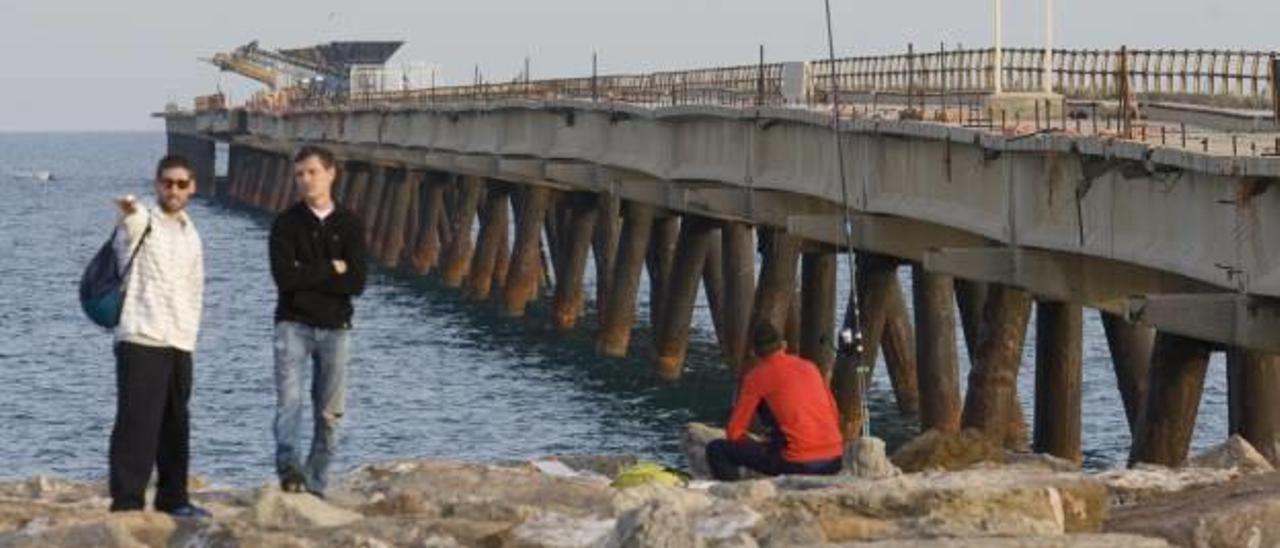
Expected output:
(725, 459)
(152, 427)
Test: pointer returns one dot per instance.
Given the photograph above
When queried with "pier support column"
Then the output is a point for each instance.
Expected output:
(818, 309)
(289, 193)
(1059, 374)
(971, 299)
(1254, 399)
(567, 303)
(605, 247)
(900, 350)
(371, 208)
(456, 261)
(360, 175)
(777, 286)
(1174, 384)
(681, 295)
(400, 202)
(662, 254)
(235, 171)
(875, 274)
(494, 223)
(620, 310)
(262, 183)
(431, 207)
(991, 397)
(1131, 347)
(937, 366)
(739, 257)
(522, 279)
(713, 279)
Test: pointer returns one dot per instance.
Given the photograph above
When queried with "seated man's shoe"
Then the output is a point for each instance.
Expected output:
(293, 482)
(188, 510)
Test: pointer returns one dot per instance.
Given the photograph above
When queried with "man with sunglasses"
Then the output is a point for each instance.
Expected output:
(154, 342)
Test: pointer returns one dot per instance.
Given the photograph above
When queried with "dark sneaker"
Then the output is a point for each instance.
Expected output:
(190, 511)
(293, 482)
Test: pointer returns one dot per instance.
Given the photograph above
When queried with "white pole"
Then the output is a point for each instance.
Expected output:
(997, 69)
(1048, 46)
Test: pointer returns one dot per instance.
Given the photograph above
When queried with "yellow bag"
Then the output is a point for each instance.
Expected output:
(643, 473)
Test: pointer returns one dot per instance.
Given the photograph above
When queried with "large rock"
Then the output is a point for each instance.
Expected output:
(279, 510)
(958, 504)
(1147, 481)
(555, 530)
(938, 450)
(1242, 513)
(656, 524)
(1236, 452)
(120, 530)
(693, 444)
(1055, 541)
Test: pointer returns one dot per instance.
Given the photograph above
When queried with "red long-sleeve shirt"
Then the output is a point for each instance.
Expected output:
(800, 401)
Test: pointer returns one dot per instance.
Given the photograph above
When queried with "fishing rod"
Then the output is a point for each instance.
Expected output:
(850, 342)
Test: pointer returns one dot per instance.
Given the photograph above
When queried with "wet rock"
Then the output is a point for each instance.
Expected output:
(865, 458)
(1236, 452)
(1242, 513)
(937, 450)
(279, 510)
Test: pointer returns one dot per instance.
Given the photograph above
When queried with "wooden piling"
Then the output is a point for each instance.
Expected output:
(1174, 384)
(658, 261)
(937, 366)
(713, 279)
(494, 224)
(377, 208)
(615, 330)
(777, 285)
(739, 257)
(1253, 392)
(873, 277)
(566, 305)
(990, 399)
(900, 351)
(672, 340)
(456, 259)
(431, 208)
(522, 279)
(604, 245)
(397, 227)
(818, 309)
(1059, 374)
(1131, 346)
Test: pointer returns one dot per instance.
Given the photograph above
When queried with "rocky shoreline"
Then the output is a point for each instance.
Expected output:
(942, 490)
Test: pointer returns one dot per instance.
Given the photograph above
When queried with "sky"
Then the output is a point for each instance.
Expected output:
(106, 65)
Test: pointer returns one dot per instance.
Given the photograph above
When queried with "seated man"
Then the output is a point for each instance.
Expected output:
(794, 403)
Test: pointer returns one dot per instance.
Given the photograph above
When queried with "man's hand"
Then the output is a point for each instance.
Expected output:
(340, 267)
(128, 205)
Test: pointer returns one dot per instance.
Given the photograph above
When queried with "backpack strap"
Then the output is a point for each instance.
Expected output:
(129, 265)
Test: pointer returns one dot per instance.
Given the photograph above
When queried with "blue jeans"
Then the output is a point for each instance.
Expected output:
(327, 351)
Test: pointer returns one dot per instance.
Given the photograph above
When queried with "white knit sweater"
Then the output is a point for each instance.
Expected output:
(165, 290)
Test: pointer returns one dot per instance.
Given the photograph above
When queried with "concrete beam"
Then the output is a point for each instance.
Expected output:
(1224, 318)
(1099, 283)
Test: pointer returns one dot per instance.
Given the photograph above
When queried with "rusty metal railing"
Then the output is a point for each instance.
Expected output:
(1245, 79)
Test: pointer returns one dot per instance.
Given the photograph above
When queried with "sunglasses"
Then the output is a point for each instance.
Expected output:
(168, 183)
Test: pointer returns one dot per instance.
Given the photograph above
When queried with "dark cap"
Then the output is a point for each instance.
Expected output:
(765, 339)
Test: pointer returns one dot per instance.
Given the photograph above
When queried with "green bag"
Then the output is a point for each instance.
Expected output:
(643, 473)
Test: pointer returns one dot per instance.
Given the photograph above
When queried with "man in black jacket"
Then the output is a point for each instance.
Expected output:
(318, 263)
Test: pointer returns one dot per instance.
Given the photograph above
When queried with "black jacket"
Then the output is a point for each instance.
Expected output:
(303, 249)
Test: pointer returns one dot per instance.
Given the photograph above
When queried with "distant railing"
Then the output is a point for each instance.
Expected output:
(1245, 79)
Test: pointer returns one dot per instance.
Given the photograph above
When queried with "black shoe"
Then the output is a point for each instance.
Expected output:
(293, 482)
(188, 510)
